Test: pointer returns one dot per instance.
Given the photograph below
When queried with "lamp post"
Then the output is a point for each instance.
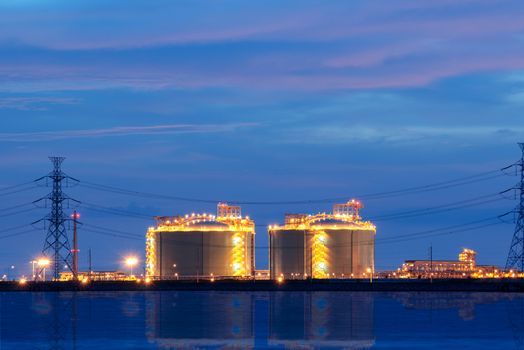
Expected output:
(33, 262)
(370, 274)
(131, 262)
(43, 263)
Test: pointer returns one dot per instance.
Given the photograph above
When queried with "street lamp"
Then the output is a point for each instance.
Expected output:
(131, 262)
(370, 274)
(43, 263)
(33, 262)
(174, 271)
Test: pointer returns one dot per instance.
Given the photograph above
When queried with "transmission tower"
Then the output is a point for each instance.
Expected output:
(56, 246)
(516, 250)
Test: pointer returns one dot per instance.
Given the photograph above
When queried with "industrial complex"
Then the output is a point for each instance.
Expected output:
(334, 245)
(328, 247)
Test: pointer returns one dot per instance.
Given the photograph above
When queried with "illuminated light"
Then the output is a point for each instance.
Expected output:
(131, 261)
(147, 280)
(22, 281)
(43, 262)
(85, 280)
(280, 279)
(212, 279)
(237, 240)
(138, 280)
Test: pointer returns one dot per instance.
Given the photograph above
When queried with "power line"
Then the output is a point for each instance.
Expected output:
(16, 186)
(113, 230)
(13, 228)
(378, 195)
(398, 215)
(464, 227)
(101, 208)
(16, 191)
(113, 234)
(17, 212)
(431, 211)
(15, 207)
(16, 234)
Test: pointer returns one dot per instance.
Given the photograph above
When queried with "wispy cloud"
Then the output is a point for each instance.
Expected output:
(301, 45)
(337, 134)
(123, 131)
(34, 103)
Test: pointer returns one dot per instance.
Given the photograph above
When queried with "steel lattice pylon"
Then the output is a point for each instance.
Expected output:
(56, 246)
(516, 250)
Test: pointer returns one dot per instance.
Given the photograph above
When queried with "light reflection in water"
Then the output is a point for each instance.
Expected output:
(243, 320)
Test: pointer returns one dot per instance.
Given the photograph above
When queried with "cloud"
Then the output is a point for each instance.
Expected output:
(153, 130)
(339, 134)
(299, 46)
(34, 103)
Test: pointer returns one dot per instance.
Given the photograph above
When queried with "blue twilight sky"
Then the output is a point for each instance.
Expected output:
(262, 101)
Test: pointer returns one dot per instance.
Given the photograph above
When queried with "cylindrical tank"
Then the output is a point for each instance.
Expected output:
(337, 245)
(332, 249)
(363, 259)
(200, 245)
(287, 253)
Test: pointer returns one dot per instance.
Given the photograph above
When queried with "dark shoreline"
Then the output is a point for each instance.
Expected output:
(380, 285)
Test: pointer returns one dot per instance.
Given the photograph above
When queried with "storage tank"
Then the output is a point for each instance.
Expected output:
(201, 245)
(335, 245)
(287, 256)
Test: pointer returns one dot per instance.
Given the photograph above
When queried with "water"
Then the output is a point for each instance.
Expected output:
(244, 320)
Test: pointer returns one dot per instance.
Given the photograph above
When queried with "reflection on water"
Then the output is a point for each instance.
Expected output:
(243, 320)
(310, 320)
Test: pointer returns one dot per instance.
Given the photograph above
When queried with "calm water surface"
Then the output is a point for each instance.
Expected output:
(232, 320)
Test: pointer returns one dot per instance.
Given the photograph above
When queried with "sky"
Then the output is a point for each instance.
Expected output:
(262, 101)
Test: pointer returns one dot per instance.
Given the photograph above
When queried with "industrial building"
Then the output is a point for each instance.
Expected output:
(201, 245)
(336, 245)
(465, 266)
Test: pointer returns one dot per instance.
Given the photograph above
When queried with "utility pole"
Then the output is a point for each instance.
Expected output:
(516, 251)
(431, 262)
(56, 244)
(75, 250)
(90, 266)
